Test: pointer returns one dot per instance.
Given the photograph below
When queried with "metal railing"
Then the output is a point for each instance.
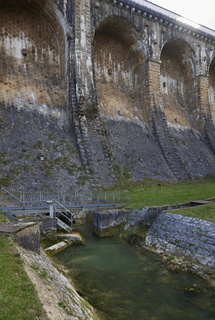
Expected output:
(32, 199)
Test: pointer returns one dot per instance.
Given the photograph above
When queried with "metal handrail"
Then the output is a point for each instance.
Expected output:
(62, 206)
(12, 195)
(61, 213)
(70, 220)
(40, 198)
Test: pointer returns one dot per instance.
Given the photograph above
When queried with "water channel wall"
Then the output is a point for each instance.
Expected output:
(189, 239)
(180, 236)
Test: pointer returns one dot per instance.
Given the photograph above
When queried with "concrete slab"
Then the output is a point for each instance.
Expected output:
(14, 227)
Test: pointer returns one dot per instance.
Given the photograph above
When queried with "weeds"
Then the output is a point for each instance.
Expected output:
(65, 306)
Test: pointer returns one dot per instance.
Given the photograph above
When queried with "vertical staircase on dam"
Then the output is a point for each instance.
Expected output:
(96, 156)
(209, 132)
(167, 145)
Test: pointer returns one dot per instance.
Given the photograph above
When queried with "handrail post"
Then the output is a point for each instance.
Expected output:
(51, 209)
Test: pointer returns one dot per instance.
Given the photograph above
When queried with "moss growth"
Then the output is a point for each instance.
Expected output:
(5, 181)
(82, 179)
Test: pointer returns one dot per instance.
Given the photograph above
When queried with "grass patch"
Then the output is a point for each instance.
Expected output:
(18, 298)
(204, 212)
(154, 193)
(3, 218)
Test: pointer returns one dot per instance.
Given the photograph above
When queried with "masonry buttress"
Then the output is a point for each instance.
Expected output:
(91, 134)
(205, 111)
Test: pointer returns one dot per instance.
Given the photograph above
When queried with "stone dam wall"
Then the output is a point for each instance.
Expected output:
(92, 92)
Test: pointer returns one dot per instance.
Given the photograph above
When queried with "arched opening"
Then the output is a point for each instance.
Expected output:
(119, 69)
(32, 54)
(178, 85)
(212, 89)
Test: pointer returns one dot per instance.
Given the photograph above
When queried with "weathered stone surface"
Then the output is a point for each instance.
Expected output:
(148, 215)
(144, 217)
(26, 234)
(57, 247)
(105, 223)
(53, 287)
(74, 237)
(184, 237)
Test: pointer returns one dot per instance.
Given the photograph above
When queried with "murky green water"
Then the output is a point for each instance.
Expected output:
(125, 285)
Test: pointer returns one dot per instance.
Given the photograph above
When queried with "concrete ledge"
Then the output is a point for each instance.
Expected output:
(105, 223)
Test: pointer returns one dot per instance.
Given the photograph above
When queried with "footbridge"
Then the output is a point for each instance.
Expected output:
(65, 208)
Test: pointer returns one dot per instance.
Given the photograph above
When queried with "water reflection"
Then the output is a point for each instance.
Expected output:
(123, 284)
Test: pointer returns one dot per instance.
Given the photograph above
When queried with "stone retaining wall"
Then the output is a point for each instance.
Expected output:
(187, 237)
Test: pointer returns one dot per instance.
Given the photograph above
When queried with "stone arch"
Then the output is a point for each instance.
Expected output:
(212, 89)
(178, 82)
(32, 54)
(119, 69)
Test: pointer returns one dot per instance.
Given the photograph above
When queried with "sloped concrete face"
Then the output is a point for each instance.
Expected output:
(32, 53)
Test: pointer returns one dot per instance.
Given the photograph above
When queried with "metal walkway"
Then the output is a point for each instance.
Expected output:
(43, 204)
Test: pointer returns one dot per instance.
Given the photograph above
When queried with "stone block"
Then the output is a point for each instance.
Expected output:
(106, 223)
(26, 234)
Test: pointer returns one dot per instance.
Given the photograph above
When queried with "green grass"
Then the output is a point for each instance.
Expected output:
(3, 218)
(205, 212)
(153, 193)
(18, 298)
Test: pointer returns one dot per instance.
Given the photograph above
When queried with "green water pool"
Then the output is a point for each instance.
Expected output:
(125, 284)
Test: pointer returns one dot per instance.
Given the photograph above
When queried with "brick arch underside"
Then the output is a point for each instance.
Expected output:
(212, 89)
(178, 86)
(32, 69)
(179, 99)
(119, 70)
(121, 79)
